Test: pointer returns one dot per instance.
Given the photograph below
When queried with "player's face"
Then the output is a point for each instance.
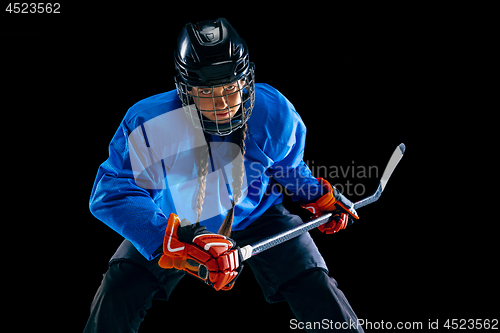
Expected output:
(218, 103)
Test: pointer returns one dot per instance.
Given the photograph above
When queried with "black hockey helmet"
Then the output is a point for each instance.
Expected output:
(211, 57)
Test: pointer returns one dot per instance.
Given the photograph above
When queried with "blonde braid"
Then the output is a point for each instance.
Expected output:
(203, 157)
(225, 228)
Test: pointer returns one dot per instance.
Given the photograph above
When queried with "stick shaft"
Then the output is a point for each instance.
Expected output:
(267, 243)
(372, 198)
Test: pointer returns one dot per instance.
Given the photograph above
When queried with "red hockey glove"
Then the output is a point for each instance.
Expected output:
(210, 257)
(332, 201)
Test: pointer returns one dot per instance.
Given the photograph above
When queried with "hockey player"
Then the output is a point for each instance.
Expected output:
(192, 176)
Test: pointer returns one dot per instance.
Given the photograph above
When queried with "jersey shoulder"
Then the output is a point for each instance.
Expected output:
(274, 116)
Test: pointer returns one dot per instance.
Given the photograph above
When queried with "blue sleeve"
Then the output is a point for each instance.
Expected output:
(130, 210)
(293, 173)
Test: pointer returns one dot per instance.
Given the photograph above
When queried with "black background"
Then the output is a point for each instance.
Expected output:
(364, 79)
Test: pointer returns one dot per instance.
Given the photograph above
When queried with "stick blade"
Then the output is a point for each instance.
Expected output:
(402, 147)
(393, 162)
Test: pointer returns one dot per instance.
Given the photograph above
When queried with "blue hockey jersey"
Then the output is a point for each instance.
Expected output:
(152, 168)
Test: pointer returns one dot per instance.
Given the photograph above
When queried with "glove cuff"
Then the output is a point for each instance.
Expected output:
(171, 242)
(325, 202)
(330, 201)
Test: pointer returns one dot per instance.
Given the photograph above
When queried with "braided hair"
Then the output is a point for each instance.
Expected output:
(238, 171)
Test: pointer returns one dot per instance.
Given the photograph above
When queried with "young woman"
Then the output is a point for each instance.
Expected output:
(192, 176)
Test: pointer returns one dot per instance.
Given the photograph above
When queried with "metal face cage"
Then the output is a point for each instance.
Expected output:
(219, 109)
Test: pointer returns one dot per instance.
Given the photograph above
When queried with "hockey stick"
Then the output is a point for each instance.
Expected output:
(251, 250)
(395, 158)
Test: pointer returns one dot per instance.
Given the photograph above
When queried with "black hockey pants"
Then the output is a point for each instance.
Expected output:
(293, 271)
